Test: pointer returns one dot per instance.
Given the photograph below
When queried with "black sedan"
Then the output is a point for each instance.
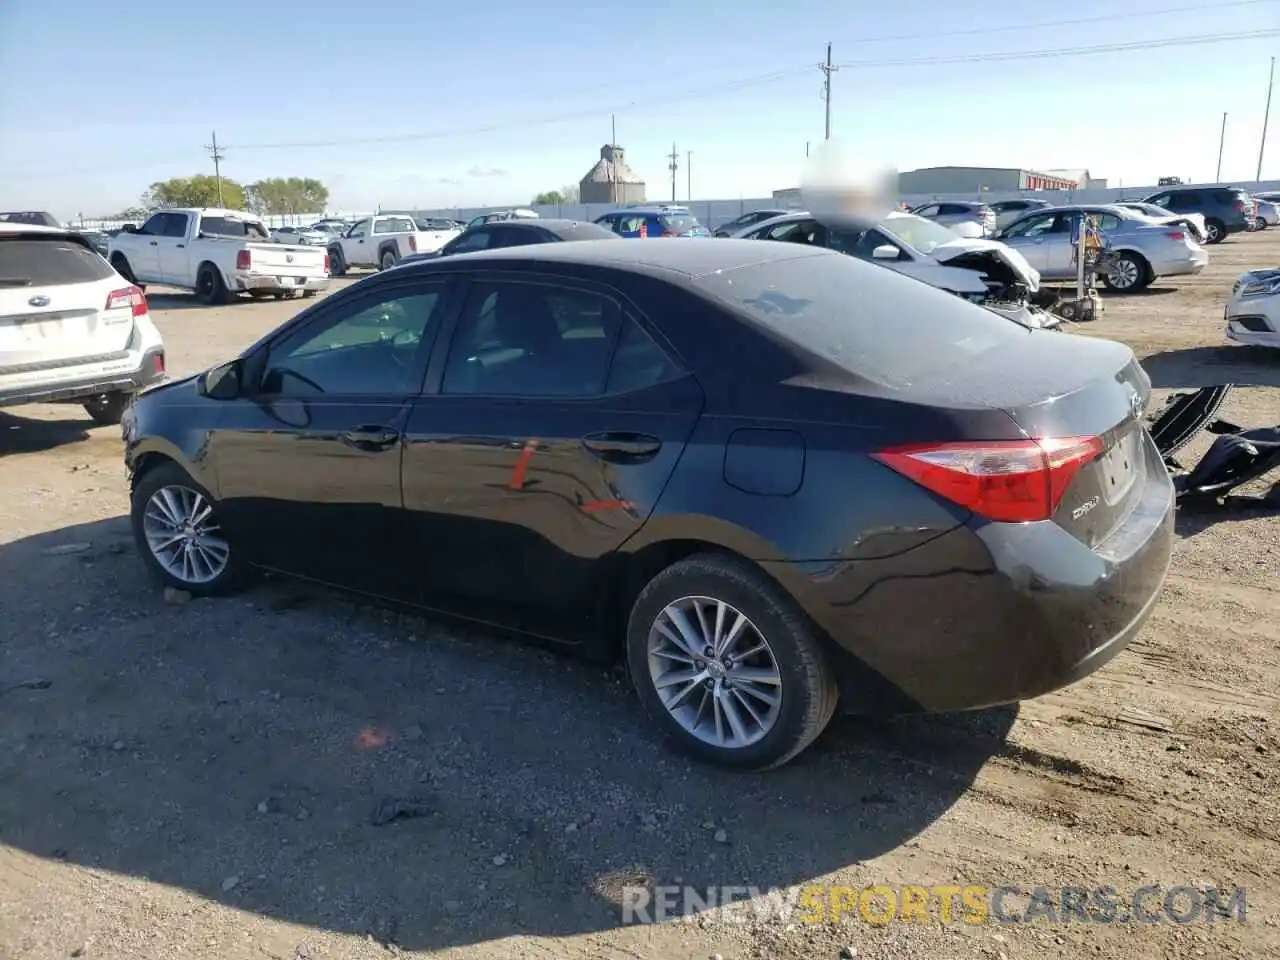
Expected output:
(516, 233)
(772, 478)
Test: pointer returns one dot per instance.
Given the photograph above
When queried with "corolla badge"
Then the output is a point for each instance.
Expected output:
(1084, 508)
(38, 301)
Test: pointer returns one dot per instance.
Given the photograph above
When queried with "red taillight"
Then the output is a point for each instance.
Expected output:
(326, 263)
(128, 297)
(244, 259)
(1008, 480)
(670, 233)
(1176, 235)
(413, 243)
(157, 363)
(1240, 206)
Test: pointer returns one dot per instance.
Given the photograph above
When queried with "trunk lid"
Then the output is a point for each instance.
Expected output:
(53, 297)
(287, 260)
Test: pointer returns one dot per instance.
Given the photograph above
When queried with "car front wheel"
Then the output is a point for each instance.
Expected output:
(726, 665)
(177, 530)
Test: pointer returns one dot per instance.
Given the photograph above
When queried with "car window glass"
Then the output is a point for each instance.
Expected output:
(849, 240)
(1107, 221)
(638, 362)
(361, 229)
(154, 226)
(930, 211)
(952, 209)
(174, 225)
(1032, 226)
(531, 339)
(797, 231)
(473, 239)
(368, 348)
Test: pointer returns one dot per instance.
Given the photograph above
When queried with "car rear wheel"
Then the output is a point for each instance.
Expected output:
(108, 408)
(389, 259)
(176, 527)
(210, 288)
(337, 265)
(1126, 274)
(1214, 231)
(726, 664)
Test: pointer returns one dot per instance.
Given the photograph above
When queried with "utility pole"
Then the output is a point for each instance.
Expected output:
(688, 175)
(613, 164)
(806, 149)
(1265, 117)
(674, 156)
(827, 69)
(1222, 140)
(217, 163)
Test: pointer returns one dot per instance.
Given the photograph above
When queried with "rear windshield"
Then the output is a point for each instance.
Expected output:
(880, 325)
(230, 227)
(679, 222)
(48, 262)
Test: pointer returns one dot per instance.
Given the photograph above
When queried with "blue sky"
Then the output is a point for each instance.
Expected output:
(495, 101)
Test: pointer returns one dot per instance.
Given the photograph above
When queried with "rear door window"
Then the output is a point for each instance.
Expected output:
(842, 310)
(49, 262)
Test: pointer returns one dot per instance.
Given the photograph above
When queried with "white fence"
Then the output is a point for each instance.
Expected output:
(713, 213)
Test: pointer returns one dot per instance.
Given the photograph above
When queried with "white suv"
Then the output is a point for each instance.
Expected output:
(72, 330)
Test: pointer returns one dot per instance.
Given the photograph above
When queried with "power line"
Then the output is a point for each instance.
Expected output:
(710, 91)
(1076, 21)
(1193, 41)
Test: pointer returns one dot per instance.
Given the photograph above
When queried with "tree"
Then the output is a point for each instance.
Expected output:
(556, 198)
(198, 191)
(128, 214)
(277, 195)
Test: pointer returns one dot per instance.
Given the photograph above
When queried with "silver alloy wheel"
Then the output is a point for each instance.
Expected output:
(1123, 274)
(182, 535)
(1212, 233)
(714, 672)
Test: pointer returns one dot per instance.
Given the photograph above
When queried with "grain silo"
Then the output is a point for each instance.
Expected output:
(611, 180)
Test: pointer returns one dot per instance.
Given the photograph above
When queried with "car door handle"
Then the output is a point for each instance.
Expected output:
(153, 243)
(622, 446)
(181, 245)
(371, 439)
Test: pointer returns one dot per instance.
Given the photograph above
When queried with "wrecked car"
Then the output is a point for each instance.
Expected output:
(1236, 457)
(984, 272)
(1253, 311)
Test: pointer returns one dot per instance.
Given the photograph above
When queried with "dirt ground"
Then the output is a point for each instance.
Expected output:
(201, 779)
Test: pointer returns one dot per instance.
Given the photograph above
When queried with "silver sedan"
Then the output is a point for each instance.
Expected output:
(1144, 248)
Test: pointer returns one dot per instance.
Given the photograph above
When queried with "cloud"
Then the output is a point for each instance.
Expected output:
(479, 172)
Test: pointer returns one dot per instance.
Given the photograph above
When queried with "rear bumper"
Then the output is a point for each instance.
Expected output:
(1190, 263)
(987, 613)
(274, 283)
(148, 371)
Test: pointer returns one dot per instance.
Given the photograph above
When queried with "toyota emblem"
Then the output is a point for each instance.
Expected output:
(38, 301)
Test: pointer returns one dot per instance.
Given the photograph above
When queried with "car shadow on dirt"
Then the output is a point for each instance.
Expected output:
(19, 434)
(352, 769)
(1194, 367)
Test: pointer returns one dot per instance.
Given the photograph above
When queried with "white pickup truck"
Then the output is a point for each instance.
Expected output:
(383, 241)
(217, 254)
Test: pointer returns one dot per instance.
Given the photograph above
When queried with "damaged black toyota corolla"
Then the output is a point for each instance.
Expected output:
(773, 479)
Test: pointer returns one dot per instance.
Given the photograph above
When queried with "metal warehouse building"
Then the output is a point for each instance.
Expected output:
(931, 180)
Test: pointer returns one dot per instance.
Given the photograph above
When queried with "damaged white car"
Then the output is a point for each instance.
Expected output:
(1253, 311)
(985, 272)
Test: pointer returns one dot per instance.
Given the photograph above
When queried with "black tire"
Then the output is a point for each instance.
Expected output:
(108, 409)
(337, 265)
(308, 294)
(120, 264)
(169, 474)
(1215, 231)
(808, 690)
(388, 259)
(210, 288)
(1127, 265)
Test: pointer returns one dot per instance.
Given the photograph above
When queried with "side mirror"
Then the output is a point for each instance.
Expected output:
(222, 382)
(130, 228)
(886, 251)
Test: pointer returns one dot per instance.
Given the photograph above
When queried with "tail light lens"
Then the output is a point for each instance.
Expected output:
(1176, 235)
(413, 243)
(670, 233)
(1012, 481)
(326, 263)
(157, 363)
(1240, 206)
(128, 297)
(244, 260)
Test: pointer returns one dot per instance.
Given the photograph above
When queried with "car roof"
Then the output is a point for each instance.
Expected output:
(685, 259)
(8, 226)
(560, 227)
